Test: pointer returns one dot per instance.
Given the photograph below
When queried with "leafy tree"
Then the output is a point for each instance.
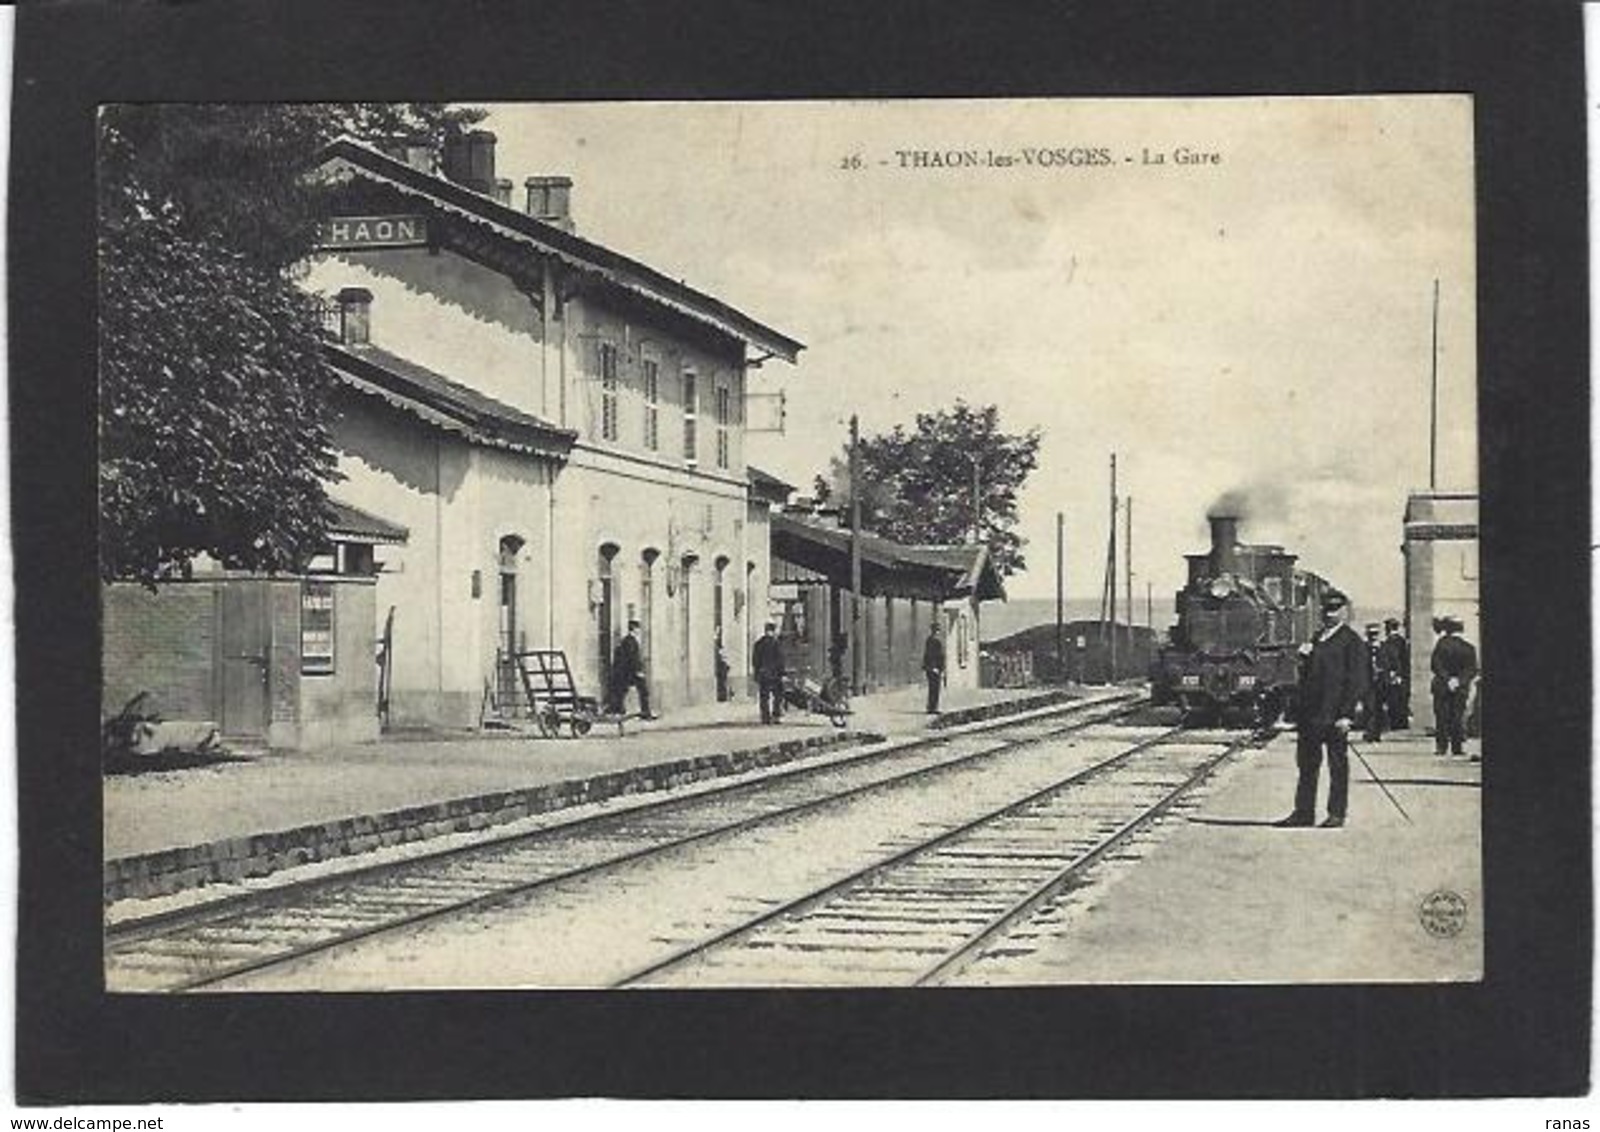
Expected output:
(214, 422)
(917, 484)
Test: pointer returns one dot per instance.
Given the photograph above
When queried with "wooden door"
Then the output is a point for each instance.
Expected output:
(243, 660)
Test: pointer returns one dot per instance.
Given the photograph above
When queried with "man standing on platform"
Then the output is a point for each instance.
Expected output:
(933, 666)
(1454, 664)
(1335, 681)
(767, 660)
(627, 671)
(1396, 663)
(1377, 682)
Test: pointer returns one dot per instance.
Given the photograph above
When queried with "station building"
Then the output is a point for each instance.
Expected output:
(538, 438)
(559, 428)
(1441, 579)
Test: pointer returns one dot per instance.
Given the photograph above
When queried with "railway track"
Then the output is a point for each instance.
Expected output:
(922, 915)
(204, 946)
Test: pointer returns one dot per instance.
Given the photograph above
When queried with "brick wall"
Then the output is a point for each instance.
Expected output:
(159, 642)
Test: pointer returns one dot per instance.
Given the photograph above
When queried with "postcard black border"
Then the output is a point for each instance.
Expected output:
(1524, 1031)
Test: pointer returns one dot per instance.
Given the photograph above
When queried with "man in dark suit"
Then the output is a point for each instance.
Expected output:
(1335, 680)
(1377, 680)
(767, 660)
(627, 671)
(933, 667)
(1454, 664)
(1396, 696)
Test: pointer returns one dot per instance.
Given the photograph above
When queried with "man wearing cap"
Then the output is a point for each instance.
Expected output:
(1377, 681)
(767, 660)
(627, 671)
(1396, 664)
(1454, 664)
(1334, 682)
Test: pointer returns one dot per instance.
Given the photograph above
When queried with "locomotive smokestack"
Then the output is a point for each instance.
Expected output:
(1224, 544)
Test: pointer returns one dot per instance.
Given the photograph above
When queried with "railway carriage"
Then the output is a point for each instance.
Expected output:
(1241, 618)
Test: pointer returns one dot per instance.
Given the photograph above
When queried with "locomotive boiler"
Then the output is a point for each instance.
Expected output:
(1241, 619)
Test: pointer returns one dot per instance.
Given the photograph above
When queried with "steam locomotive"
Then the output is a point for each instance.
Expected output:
(1242, 617)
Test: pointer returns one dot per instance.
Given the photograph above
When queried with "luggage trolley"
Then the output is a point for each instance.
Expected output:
(552, 693)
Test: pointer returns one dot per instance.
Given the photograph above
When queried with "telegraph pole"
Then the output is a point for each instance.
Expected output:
(1128, 565)
(1111, 569)
(1061, 604)
(1433, 400)
(855, 555)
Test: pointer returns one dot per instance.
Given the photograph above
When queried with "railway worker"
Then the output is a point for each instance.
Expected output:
(1454, 664)
(767, 660)
(1397, 669)
(720, 661)
(627, 671)
(1335, 682)
(933, 666)
(1377, 680)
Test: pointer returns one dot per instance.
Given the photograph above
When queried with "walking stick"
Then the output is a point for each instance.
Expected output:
(1374, 776)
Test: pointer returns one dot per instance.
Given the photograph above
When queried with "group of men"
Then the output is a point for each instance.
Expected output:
(1390, 660)
(766, 660)
(1344, 679)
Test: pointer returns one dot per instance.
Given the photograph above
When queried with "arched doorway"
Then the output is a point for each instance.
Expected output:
(605, 611)
(686, 612)
(508, 636)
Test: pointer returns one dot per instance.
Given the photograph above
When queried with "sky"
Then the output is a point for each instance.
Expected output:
(1258, 324)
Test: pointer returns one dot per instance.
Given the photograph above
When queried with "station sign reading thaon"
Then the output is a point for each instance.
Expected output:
(373, 232)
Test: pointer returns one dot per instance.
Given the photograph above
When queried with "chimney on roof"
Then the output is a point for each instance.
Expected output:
(550, 200)
(416, 151)
(355, 316)
(502, 191)
(469, 160)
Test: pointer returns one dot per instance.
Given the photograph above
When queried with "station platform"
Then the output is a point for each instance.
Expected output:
(169, 831)
(1222, 895)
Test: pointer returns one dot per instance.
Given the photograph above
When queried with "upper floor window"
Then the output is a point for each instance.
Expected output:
(691, 406)
(724, 412)
(608, 391)
(652, 404)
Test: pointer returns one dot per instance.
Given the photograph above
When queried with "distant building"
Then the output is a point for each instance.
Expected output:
(1441, 576)
(905, 588)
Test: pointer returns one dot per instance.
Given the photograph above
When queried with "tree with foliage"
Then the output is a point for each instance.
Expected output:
(918, 485)
(214, 418)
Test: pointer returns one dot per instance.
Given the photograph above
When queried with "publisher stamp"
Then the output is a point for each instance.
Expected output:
(1443, 913)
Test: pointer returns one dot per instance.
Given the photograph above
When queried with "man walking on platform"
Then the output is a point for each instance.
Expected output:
(1396, 664)
(767, 660)
(933, 666)
(1335, 680)
(627, 671)
(1454, 664)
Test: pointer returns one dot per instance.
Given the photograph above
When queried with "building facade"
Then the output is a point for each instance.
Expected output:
(560, 429)
(1441, 568)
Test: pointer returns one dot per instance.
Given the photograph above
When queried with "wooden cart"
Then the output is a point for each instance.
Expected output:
(553, 699)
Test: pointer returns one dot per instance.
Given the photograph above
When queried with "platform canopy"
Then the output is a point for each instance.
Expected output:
(814, 549)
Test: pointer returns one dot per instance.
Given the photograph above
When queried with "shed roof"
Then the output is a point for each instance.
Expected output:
(623, 271)
(888, 568)
(355, 525)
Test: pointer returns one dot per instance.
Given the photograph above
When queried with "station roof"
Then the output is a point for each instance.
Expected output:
(438, 401)
(888, 568)
(538, 236)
